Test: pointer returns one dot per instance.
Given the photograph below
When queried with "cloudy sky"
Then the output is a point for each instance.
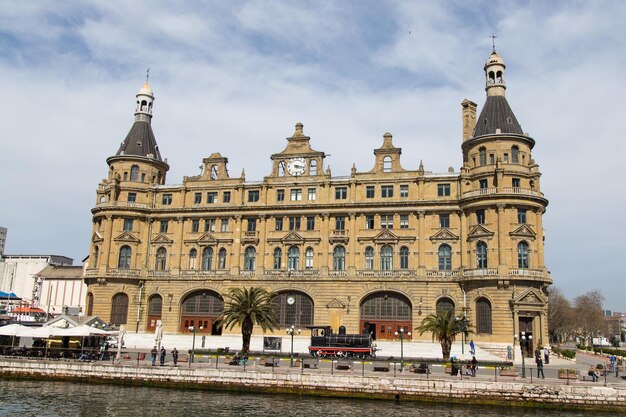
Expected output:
(235, 76)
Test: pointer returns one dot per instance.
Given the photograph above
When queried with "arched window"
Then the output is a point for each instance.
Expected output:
(293, 258)
(445, 304)
(161, 258)
(386, 258)
(96, 255)
(281, 169)
(119, 308)
(193, 254)
(313, 167)
(339, 258)
(522, 255)
(491, 77)
(123, 261)
(369, 258)
(221, 259)
(483, 316)
(387, 164)
(249, 258)
(308, 260)
(481, 255)
(278, 254)
(482, 156)
(404, 257)
(499, 76)
(134, 173)
(293, 309)
(214, 172)
(207, 259)
(155, 305)
(515, 155)
(445, 258)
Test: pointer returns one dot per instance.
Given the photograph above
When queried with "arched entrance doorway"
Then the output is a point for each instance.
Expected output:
(200, 309)
(293, 308)
(155, 307)
(384, 313)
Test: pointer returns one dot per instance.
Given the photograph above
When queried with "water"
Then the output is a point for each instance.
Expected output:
(50, 399)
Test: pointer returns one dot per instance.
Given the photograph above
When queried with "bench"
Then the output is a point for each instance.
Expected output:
(381, 368)
(272, 362)
(343, 365)
(310, 362)
(422, 368)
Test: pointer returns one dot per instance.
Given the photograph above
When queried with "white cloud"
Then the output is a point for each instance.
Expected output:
(235, 77)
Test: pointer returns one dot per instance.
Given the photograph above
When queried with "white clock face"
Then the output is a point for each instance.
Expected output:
(296, 166)
(291, 300)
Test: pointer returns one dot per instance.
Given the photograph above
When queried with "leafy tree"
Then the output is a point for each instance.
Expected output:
(444, 327)
(246, 307)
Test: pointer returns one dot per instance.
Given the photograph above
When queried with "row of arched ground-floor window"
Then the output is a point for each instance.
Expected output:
(385, 261)
(381, 313)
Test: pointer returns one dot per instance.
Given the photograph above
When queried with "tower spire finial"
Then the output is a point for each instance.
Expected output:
(493, 41)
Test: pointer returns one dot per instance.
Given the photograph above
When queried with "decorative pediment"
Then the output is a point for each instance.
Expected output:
(96, 237)
(386, 236)
(127, 237)
(444, 234)
(479, 232)
(530, 296)
(524, 231)
(162, 239)
(207, 239)
(292, 237)
(334, 303)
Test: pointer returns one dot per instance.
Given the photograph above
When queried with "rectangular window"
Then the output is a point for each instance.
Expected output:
(211, 197)
(515, 182)
(340, 223)
(521, 216)
(128, 225)
(491, 159)
(310, 223)
(209, 225)
(369, 221)
(296, 194)
(312, 194)
(163, 226)
(480, 216)
(386, 221)
(224, 225)
(195, 226)
(197, 198)
(443, 190)
(506, 158)
(444, 220)
(404, 190)
(483, 184)
(278, 223)
(280, 195)
(341, 193)
(386, 191)
(370, 191)
(226, 197)
(132, 197)
(294, 223)
(166, 199)
(253, 196)
(251, 225)
(404, 221)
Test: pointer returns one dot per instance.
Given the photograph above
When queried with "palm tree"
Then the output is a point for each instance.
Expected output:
(444, 327)
(246, 307)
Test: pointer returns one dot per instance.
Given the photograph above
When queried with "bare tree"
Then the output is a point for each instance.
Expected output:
(589, 317)
(561, 317)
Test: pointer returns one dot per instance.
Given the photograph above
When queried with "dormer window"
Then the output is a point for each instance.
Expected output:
(313, 167)
(387, 164)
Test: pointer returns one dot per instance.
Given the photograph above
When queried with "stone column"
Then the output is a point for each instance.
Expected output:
(324, 244)
(107, 244)
(352, 244)
(262, 234)
(501, 231)
(421, 238)
(235, 261)
(539, 225)
(179, 245)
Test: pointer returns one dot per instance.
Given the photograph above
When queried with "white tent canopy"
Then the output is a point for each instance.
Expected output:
(47, 332)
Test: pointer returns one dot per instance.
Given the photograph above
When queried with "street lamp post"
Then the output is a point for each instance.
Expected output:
(291, 331)
(400, 333)
(463, 324)
(193, 344)
(523, 343)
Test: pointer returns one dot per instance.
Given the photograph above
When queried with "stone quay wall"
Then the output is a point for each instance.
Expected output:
(469, 391)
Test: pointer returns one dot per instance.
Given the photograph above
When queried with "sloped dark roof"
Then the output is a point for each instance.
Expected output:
(497, 114)
(140, 141)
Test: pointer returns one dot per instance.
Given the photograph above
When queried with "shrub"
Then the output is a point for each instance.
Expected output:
(570, 354)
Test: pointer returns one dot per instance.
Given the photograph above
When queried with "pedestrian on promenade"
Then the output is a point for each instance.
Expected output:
(474, 365)
(593, 374)
(540, 368)
(472, 347)
(163, 353)
(153, 353)
(175, 356)
(546, 355)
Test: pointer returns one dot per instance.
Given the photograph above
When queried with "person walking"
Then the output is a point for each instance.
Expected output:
(163, 353)
(472, 348)
(546, 355)
(540, 368)
(153, 353)
(474, 365)
(175, 356)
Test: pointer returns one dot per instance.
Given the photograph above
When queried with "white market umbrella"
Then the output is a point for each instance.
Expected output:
(11, 329)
